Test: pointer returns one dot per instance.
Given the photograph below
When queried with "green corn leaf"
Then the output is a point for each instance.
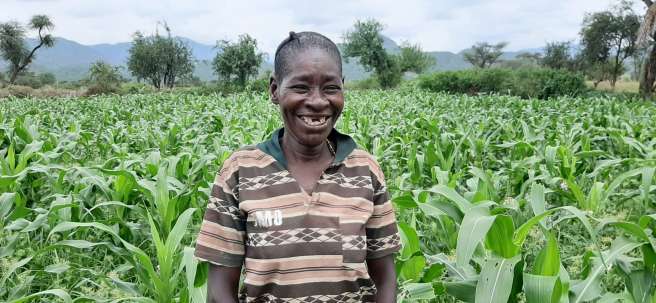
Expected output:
(474, 227)
(540, 289)
(590, 287)
(412, 269)
(496, 280)
(62, 294)
(452, 196)
(547, 263)
(499, 239)
(409, 239)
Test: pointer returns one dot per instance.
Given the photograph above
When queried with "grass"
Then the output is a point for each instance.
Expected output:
(620, 86)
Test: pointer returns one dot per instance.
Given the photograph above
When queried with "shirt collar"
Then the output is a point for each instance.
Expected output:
(344, 146)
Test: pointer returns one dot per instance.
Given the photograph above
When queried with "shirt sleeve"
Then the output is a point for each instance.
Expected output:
(382, 234)
(221, 239)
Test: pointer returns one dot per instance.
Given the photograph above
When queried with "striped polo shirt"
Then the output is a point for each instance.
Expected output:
(297, 246)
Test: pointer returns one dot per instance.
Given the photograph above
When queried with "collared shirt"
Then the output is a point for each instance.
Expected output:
(295, 246)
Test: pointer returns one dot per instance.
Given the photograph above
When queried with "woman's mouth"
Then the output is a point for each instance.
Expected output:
(314, 121)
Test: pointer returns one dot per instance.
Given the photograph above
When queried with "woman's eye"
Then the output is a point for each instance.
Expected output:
(300, 88)
(332, 89)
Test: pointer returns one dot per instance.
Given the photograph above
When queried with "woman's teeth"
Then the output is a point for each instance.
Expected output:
(314, 121)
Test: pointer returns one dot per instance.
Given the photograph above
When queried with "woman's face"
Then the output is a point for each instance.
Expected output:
(310, 96)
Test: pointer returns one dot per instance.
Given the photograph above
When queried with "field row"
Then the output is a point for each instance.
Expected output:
(498, 199)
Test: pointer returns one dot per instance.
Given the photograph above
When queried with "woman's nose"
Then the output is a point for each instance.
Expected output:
(318, 98)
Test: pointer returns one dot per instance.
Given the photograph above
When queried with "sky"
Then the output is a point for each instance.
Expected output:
(436, 25)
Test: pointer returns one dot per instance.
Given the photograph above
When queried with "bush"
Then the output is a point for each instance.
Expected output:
(20, 91)
(35, 80)
(103, 78)
(260, 84)
(538, 83)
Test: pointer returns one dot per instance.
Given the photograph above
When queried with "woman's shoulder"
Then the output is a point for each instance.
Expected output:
(243, 156)
(361, 157)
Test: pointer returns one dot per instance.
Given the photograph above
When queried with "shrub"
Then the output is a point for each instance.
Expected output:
(260, 84)
(543, 83)
(20, 91)
(526, 82)
(103, 78)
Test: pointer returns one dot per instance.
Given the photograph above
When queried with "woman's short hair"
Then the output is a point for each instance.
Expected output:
(298, 42)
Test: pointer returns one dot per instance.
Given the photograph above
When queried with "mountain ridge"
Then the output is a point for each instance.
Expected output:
(69, 60)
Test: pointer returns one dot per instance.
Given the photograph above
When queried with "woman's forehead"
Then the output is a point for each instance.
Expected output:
(311, 62)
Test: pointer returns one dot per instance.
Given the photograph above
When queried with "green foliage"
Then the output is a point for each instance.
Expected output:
(607, 39)
(35, 80)
(498, 198)
(557, 55)
(365, 42)
(484, 54)
(413, 59)
(161, 60)
(237, 62)
(13, 46)
(527, 83)
(133, 88)
(522, 60)
(368, 83)
(103, 78)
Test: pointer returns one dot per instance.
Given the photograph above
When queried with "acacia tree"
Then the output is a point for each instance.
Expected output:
(239, 61)
(162, 60)
(557, 55)
(412, 58)
(608, 38)
(13, 46)
(365, 42)
(483, 54)
(103, 78)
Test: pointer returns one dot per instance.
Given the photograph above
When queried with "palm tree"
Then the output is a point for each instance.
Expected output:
(12, 43)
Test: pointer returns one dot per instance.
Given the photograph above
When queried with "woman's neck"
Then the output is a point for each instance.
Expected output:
(297, 152)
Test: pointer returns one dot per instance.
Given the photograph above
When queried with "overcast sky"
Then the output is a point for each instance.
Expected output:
(435, 25)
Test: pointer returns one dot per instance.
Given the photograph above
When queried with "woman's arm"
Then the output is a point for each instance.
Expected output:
(382, 272)
(223, 284)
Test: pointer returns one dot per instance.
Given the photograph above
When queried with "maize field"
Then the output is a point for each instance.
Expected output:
(498, 199)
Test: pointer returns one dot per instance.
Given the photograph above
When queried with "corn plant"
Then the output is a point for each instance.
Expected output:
(498, 199)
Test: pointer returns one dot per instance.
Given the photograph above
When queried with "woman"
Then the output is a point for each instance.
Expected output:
(306, 213)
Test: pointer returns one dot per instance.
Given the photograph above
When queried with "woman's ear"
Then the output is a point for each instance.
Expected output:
(273, 89)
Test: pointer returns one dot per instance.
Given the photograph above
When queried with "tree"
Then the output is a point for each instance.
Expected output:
(483, 54)
(239, 61)
(162, 60)
(103, 78)
(608, 38)
(646, 39)
(13, 46)
(557, 55)
(413, 59)
(365, 42)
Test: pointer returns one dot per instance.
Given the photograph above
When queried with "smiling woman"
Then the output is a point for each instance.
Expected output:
(306, 213)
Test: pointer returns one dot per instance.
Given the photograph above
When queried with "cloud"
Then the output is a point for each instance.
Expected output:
(436, 25)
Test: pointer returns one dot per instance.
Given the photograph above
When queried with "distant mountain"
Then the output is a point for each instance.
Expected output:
(69, 60)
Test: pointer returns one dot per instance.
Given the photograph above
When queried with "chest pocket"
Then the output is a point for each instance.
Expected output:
(354, 242)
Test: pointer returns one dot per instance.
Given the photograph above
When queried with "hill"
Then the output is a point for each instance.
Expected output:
(69, 60)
